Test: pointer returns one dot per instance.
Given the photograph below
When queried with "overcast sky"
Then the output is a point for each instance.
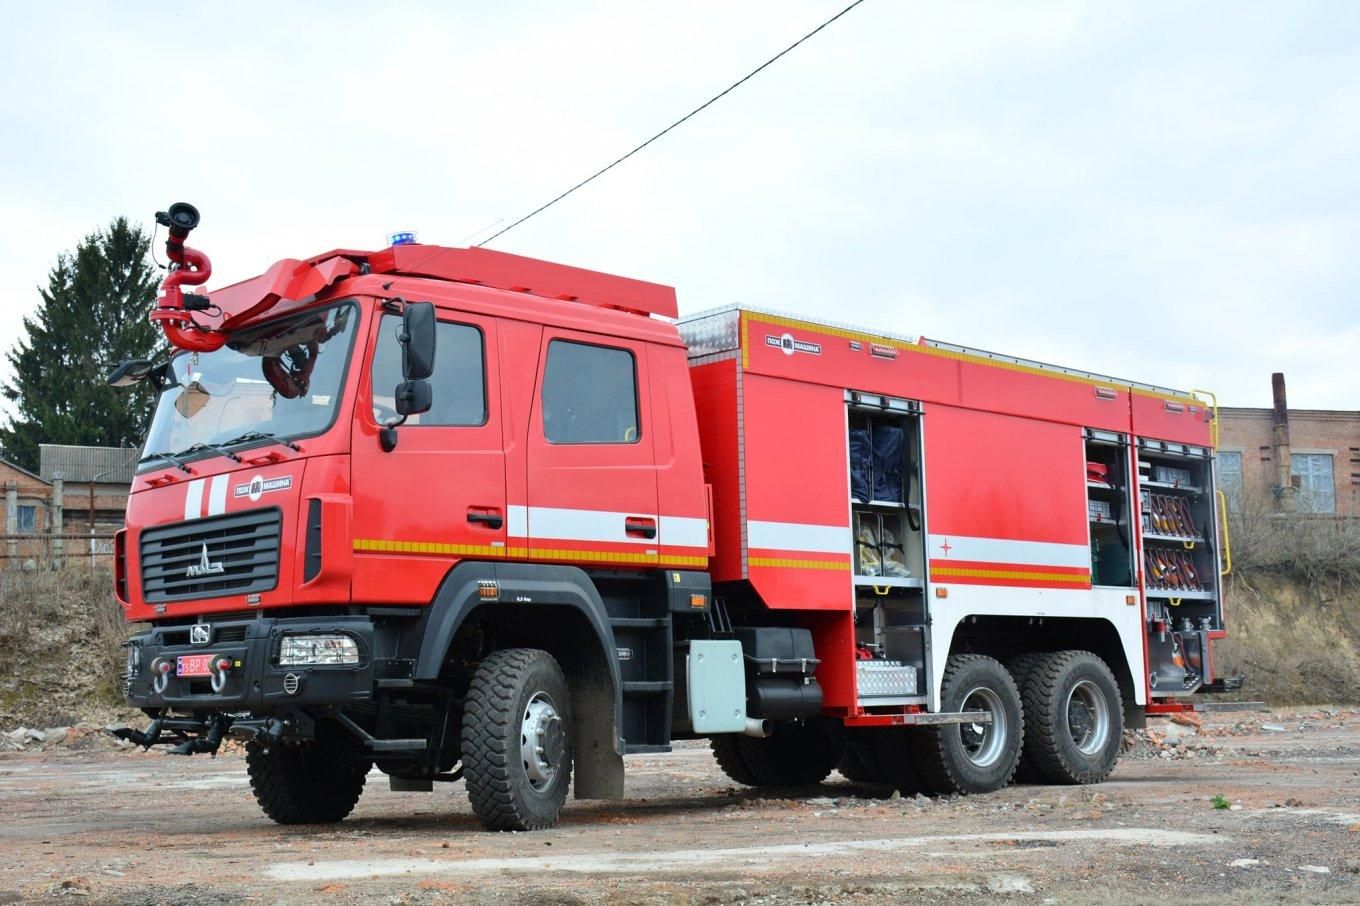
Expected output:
(1167, 192)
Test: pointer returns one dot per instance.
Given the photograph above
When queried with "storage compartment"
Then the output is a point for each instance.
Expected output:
(889, 549)
(1177, 516)
(890, 646)
(1108, 507)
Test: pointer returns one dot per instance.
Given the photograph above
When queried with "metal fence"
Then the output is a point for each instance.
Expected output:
(34, 550)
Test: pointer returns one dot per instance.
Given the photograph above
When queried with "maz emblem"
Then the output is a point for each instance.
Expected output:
(204, 567)
(200, 634)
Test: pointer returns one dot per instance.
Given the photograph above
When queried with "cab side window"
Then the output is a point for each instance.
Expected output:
(590, 395)
(459, 379)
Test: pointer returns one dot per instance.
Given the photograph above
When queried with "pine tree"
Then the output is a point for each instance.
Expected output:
(93, 315)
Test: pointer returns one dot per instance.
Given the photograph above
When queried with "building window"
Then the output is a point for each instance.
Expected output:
(1316, 493)
(589, 395)
(1230, 477)
(28, 519)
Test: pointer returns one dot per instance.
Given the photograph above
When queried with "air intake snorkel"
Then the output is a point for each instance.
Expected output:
(189, 267)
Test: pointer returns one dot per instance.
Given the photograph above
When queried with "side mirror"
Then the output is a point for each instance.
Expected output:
(417, 341)
(413, 398)
(133, 371)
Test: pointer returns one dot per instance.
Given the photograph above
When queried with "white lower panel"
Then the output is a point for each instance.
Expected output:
(982, 600)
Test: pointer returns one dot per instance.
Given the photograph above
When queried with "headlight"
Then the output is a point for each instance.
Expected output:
(134, 660)
(317, 650)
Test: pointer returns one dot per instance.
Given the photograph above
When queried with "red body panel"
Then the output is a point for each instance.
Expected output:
(990, 475)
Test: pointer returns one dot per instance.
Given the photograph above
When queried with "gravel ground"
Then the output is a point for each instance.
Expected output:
(89, 820)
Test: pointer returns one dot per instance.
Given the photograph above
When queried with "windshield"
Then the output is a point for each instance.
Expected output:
(283, 379)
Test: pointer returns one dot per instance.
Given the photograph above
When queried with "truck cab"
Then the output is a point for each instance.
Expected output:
(320, 567)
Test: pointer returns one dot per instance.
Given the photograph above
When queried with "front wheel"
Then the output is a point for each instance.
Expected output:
(517, 740)
(313, 783)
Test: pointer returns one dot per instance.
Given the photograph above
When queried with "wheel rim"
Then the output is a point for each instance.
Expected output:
(983, 744)
(1088, 717)
(542, 741)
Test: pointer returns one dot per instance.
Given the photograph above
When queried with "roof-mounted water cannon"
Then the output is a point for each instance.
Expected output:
(188, 267)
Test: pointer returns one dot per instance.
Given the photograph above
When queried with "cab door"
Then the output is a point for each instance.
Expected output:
(592, 487)
(440, 494)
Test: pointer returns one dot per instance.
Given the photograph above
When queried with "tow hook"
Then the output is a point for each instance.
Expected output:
(268, 731)
(137, 738)
(208, 742)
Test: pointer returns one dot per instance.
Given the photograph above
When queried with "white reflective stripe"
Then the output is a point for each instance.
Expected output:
(684, 531)
(1004, 550)
(193, 499)
(798, 536)
(517, 521)
(583, 525)
(217, 495)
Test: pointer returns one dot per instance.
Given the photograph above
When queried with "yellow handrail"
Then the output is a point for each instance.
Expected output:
(1223, 570)
(1213, 422)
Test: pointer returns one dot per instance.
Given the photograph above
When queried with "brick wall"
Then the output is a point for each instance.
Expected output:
(1311, 431)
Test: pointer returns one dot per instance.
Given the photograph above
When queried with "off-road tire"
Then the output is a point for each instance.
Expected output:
(859, 760)
(1020, 668)
(727, 752)
(793, 755)
(1050, 749)
(498, 783)
(895, 754)
(941, 757)
(304, 784)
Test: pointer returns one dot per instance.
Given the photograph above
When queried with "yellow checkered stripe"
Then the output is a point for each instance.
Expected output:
(521, 553)
(947, 354)
(787, 563)
(1026, 575)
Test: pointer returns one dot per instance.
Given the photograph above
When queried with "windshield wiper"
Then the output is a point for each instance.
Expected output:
(204, 445)
(262, 435)
(168, 457)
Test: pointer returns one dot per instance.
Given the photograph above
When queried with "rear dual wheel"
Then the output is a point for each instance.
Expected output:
(974, 757)
(1074, 718)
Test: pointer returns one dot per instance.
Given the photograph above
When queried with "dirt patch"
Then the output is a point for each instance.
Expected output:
(1268, 815)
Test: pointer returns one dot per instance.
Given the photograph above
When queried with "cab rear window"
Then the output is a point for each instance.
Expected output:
(590, 395)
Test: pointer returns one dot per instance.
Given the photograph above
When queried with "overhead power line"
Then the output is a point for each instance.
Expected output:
(706, 104)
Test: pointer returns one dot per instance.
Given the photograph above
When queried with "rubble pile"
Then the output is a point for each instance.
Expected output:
(1180, 737)
(80, 737)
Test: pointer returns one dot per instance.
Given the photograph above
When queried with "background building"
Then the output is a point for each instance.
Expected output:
(89, 485)
(1302, 460)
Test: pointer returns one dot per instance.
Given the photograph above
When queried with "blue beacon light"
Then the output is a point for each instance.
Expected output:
(406, 237)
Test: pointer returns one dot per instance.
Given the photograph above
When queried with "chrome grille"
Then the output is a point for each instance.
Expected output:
(246, 545)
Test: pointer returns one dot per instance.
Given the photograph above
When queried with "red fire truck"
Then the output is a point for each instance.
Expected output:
(462, 514)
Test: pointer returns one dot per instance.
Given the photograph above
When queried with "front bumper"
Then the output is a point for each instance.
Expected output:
(255, 682)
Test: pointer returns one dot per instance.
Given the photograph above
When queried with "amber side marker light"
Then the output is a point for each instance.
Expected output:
(698, 602)
(941, 592)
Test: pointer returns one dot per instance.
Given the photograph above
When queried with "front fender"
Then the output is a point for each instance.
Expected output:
(521, 585)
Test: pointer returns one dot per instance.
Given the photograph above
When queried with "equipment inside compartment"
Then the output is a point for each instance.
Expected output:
(889, 551)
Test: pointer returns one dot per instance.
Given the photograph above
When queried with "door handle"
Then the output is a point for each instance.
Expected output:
(640, 526)
(492, 519)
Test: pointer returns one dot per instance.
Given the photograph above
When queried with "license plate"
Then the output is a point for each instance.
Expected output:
(194, 665)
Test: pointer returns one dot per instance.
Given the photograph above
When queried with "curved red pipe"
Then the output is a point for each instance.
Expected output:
(194, 270)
